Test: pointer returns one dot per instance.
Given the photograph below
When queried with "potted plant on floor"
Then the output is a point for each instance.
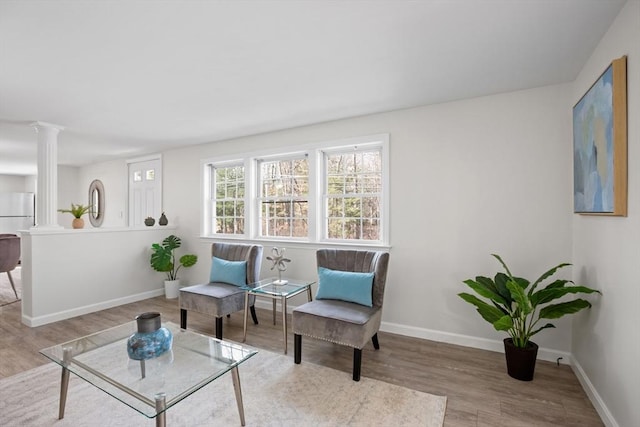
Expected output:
(516, 306)
(77, 211)
(163, 259)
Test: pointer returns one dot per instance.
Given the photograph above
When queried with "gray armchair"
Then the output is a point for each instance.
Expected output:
(343, 322)
(9, 256)
(221, 299)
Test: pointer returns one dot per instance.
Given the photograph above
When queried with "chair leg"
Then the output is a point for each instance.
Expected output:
(297, 348)
(12, 284)
(253, 314)
(183, 318)
(357, 362)
(376, 344)
(219, 328)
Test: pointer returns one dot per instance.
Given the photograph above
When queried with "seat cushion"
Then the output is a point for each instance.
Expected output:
(215, 299)
(340, 322)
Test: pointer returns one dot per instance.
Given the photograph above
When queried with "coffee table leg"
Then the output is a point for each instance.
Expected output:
(64, 381)
(161, 409)
(284, 322)
(236, 387)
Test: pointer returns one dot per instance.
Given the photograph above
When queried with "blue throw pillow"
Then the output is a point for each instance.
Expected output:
(345, 286)
(232, 272)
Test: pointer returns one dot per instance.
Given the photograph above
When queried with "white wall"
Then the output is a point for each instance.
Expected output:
(68, 192)
(606, 348)
(468, 178)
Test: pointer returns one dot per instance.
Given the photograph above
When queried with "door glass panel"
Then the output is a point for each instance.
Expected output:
(151, 174)
(137, 176)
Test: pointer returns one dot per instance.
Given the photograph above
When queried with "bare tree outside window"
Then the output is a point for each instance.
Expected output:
(284, 194)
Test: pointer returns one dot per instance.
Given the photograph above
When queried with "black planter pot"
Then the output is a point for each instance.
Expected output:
(521, 362)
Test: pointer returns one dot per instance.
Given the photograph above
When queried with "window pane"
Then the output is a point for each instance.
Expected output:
(229, 199)
(284, 186)
(150, 174)
(137, 176)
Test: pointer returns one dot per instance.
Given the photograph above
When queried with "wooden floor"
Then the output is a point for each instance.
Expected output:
(479, 391)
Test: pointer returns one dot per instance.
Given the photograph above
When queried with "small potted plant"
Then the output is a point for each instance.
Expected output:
(77, 211)
(517, 307)
(163, 259)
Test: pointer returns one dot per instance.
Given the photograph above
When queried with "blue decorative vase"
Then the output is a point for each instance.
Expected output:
(151, 340)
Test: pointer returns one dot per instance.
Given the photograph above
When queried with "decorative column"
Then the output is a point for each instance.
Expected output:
(47, 188)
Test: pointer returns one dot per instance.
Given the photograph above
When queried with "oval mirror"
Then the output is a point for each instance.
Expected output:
(96, 203)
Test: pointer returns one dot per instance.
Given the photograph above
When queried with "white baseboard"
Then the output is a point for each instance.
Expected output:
(468, 341)
(592, 393)
(78, 311)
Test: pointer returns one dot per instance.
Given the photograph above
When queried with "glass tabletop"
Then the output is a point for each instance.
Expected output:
(271, 287)
(193, 362)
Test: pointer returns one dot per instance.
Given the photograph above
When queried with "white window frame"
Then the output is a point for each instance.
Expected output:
(317, 209)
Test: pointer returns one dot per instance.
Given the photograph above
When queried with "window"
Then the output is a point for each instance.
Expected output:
(284, 197)
(334, 192)
(353, 194)
(227, 186)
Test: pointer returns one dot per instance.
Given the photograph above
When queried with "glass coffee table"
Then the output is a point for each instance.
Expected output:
(157, 384)
(271, 289)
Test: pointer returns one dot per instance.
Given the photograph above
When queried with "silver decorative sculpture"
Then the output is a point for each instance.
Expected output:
(278, 260)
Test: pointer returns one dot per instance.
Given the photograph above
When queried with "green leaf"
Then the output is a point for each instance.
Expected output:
(188, 260)
(504, 323)
(172, 242)
(558, 310)
(548, 325)
(503, 264)
(520, 297)
(547, 274)
(523, 283)
(545, 295)
(485, 288)
(500, 281)
(160, 258)
(489, 313)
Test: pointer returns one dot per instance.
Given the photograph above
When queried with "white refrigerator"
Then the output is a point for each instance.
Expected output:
(16, 212)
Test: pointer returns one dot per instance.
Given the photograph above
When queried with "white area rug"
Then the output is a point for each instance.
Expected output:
(276, 392)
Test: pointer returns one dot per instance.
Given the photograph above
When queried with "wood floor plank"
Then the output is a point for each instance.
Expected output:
(478, 390)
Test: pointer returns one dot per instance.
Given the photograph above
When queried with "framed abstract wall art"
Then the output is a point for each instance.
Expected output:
(600, 145)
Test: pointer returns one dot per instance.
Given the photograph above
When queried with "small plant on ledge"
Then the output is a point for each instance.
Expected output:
(77, 211)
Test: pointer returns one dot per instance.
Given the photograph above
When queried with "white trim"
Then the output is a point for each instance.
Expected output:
(469, 341)
(79, 311)
(592, 393)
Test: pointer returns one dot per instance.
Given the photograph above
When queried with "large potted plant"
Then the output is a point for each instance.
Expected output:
(77, 211)
(517, 306)
(163, 259)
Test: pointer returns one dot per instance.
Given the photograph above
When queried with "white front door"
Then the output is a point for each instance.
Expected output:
(145, 191)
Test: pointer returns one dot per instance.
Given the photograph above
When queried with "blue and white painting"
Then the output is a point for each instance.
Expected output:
(593, 148)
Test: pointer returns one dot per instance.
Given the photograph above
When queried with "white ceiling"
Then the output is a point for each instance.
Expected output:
(127, 78)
